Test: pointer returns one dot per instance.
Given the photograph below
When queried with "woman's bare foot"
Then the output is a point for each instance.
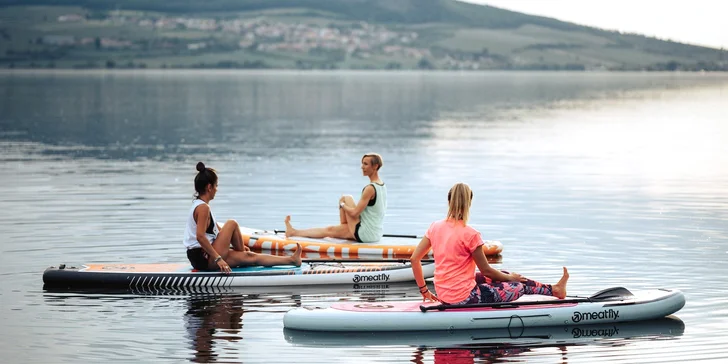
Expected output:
(296, 257)
(559, 289)
(290, 231)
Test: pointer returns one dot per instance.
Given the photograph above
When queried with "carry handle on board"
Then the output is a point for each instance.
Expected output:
(385, 235)
(609, 294)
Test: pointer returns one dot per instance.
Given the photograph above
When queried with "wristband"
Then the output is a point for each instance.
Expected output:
(218, 258)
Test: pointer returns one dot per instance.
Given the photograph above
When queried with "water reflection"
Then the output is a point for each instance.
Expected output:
(153, 114)
(469, 346)
(214, 318)
(482, 355)
(619, 176)
(211, 320)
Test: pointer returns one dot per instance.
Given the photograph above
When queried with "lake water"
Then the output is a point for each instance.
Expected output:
(621, 177)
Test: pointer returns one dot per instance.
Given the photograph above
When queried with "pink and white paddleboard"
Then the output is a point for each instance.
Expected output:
(607, 306)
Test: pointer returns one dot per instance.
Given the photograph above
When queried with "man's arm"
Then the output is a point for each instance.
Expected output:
(366, 196)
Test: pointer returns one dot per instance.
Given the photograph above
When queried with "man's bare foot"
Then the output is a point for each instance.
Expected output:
(296, 257)
(559, 289)
(290, 231)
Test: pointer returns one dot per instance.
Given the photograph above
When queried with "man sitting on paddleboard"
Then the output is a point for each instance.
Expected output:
(208, 244)
(457, 249)
(362, 221)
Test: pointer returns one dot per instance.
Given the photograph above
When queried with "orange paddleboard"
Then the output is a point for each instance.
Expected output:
(388, 247)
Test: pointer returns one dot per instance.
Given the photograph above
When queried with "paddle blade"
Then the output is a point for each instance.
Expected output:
(611, 294)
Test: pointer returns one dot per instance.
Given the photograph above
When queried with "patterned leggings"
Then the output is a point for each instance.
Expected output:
(488, 291)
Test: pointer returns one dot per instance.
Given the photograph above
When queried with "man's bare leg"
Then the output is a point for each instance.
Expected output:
(336, 231)
(348, 200)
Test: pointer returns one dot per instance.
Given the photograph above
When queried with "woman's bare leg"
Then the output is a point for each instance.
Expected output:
(231, 231)
(223, 241)
(559, 289)
(239, 259)
(237, 240)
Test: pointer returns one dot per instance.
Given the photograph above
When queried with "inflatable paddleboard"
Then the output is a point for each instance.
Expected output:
(374, 290)
(176, 275)
(607, 306)
(388, 247)
(572, 334)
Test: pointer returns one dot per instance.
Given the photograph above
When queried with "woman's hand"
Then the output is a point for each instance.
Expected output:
(515, 277)
(427, 295)
(224, 267)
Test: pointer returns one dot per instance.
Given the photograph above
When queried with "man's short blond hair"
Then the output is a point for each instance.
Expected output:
(376, 159)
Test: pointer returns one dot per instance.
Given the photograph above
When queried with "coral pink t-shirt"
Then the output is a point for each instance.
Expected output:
(452, 245)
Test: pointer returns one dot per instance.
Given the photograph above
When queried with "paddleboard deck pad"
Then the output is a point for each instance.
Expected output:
(388, 247)
(181, 275)
(528, 311)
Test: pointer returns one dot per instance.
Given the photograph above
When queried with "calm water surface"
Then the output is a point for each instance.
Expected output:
(621, 177)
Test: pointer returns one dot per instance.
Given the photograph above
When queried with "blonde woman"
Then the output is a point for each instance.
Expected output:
(457, 249)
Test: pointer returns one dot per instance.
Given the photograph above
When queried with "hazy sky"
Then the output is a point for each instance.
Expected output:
(702, 22)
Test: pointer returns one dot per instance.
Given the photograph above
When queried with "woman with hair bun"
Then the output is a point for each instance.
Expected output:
(457, 249)
(208, 244)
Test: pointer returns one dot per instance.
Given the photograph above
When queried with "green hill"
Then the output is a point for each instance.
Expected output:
(441, 34)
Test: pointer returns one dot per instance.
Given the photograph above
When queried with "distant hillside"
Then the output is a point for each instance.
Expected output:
(282, 34)
(378, 11)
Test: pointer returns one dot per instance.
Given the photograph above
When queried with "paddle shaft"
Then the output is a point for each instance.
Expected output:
(609, 294)
(401, 236)
(383, 260)
(385, 235)
(501, 304)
